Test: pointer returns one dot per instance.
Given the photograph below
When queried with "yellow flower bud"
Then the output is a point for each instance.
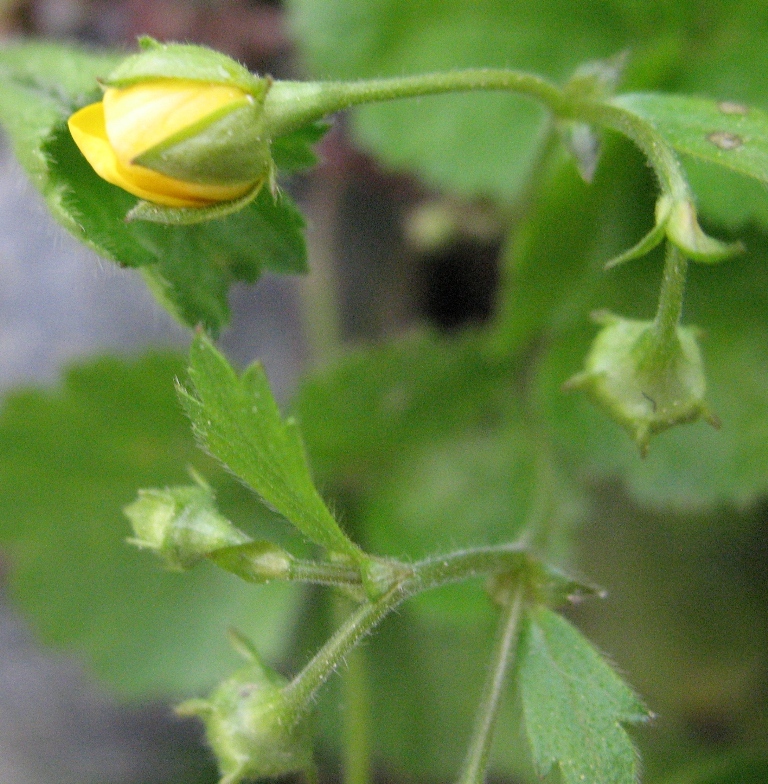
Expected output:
(175, 142)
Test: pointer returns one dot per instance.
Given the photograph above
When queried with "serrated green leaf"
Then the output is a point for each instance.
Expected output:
(726, 198)
(726, 133)
(190, 268)
(574, 704)
(193, 277)
(70, 460)
(239, 423)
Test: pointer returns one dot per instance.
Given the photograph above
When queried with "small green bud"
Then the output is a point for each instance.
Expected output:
(181, 524)
(250, 726)
(644, 389)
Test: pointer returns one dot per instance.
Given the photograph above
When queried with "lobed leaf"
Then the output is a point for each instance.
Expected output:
(239, 423)
(726, 133)
(295, 151)
(474, 144)
(574, 704)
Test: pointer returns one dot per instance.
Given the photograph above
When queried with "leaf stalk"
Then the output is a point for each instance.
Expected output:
(476, 761)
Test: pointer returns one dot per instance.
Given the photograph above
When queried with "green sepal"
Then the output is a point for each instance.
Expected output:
(554, 588)
(228, 147)
(544, 584)
(584, 144)
(186, 216)
(683, 230)
(596, 80)
(677, 222)
(650, 241)
(181, 524)
(255, 562)
(184, 61)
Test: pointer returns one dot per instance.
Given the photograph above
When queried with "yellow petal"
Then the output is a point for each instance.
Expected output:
(139, 118)
(88, 129)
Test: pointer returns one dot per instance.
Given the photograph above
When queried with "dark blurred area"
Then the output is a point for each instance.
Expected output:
(392, 253)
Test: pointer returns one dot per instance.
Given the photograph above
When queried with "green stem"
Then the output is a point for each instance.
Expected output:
(421, 576)
(659, 153)
(292, 105)
(670, 303)
(300, 691)
(324, 573)
(356, 718)
(464, 565)
(476, 761)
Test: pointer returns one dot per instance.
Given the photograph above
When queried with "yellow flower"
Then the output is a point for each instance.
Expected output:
(175, 142)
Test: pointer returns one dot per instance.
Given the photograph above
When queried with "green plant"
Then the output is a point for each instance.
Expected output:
(462, 452)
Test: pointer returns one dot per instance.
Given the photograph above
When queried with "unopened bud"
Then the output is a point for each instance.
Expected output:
(646, 394)
(249, 724)
(179, 126)
(181, 524)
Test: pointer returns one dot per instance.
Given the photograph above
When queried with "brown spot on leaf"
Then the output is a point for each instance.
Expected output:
(725, 140)
(731, 107)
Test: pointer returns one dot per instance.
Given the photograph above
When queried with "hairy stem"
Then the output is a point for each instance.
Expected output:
(292, 105)
(476, 761)
(659, 153)
(670, 302)
(324, 573)
(421, 576)
(301, 690)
